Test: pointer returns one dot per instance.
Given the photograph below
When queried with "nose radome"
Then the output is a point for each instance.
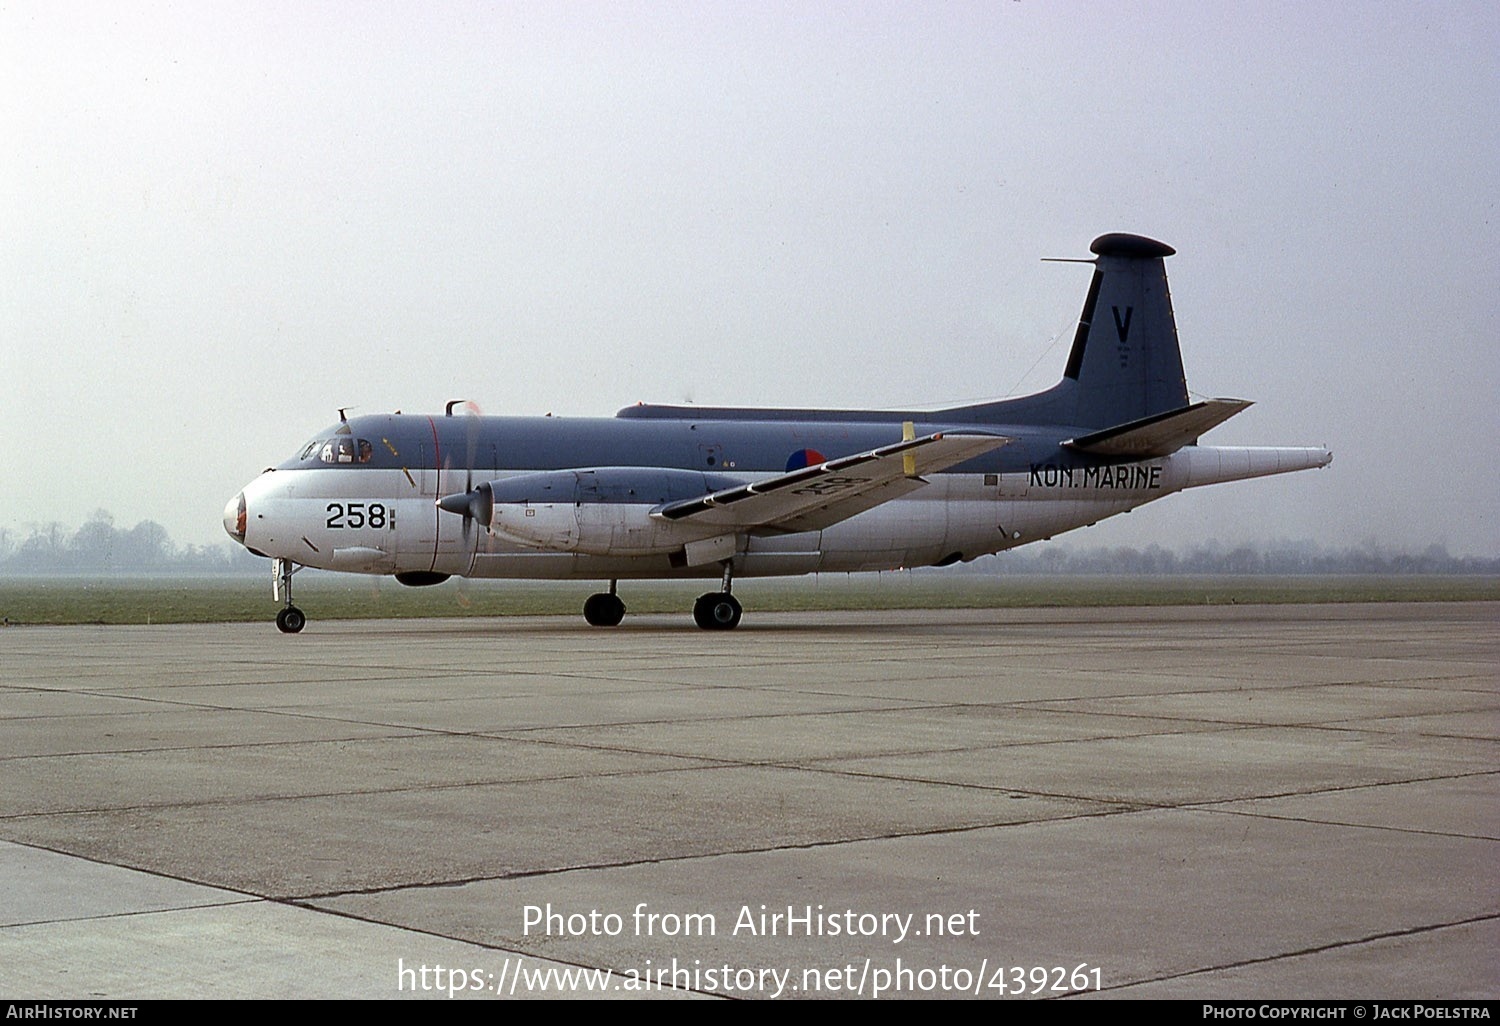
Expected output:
(234, 518)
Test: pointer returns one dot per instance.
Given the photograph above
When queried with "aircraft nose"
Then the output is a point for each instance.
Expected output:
(234, 518)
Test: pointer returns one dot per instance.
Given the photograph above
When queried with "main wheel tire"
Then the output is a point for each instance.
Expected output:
(603, 610)
(290, 620)
(717, 611)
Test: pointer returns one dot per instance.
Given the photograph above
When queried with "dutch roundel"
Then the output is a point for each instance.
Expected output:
(804, 458)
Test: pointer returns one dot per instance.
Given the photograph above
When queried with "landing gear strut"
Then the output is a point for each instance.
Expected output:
(719, 611)
(291, 619)
(604, 609)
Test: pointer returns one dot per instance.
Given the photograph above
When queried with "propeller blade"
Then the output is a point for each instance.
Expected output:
(472, 414)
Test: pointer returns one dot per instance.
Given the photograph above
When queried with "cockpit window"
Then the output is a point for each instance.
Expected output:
(341, 450)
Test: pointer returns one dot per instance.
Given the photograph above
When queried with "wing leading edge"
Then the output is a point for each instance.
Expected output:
(819, 496)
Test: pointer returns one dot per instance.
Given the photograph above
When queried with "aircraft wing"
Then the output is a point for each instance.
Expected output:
(819, 496)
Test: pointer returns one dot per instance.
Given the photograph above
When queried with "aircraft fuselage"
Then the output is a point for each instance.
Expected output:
(377, 511)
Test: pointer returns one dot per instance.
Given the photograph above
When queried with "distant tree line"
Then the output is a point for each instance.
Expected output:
(99, 547)
(1275, 558)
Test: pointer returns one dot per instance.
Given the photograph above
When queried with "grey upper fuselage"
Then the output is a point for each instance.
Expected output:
(720, 442)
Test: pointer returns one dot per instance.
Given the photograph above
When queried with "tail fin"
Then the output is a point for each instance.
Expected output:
(1126, 363)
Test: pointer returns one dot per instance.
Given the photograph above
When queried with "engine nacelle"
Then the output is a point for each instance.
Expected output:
(600, 511)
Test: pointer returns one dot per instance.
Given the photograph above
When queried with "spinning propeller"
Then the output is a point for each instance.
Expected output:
(472, 503)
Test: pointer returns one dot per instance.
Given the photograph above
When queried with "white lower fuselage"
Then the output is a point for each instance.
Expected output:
(385, 521)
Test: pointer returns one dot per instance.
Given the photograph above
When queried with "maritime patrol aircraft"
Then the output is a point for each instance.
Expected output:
(718, 492)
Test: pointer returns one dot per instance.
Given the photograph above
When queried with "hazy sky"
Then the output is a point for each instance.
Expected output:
(223, 221)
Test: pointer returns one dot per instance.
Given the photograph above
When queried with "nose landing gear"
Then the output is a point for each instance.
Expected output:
(290, 619)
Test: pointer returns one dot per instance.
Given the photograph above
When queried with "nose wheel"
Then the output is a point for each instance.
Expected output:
(291, 619)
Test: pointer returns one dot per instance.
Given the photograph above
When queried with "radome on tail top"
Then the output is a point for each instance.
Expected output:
(717, 492)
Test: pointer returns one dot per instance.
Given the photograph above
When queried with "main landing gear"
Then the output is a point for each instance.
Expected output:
(716, 611)
(604, 610)
(291, 619)
(719, 610)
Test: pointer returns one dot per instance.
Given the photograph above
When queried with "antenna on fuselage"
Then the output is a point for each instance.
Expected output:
(448, 410)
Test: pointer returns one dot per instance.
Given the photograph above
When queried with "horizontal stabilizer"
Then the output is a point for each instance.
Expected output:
(815, 497)
(1160, 435)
